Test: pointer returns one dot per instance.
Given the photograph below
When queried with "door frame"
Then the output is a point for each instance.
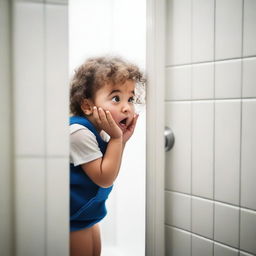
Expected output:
(155, 154)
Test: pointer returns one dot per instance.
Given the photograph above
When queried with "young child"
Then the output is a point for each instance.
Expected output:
(102, 97)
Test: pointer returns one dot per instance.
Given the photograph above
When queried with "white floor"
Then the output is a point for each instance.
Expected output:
(112, 251)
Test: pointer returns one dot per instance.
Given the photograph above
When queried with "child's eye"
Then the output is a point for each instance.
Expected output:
(116, 99)
(131, 99)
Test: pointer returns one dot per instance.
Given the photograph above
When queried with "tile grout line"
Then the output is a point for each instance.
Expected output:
(214, 130)
(11, 20)
(210, 239)
(44, 1)
(209, 99)
(42, 156)
(211, 200)
(191, 126)
(45, 124)
(241, 126)
(209, 62)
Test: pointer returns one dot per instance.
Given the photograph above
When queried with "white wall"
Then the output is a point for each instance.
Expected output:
(118, 28)
(211, 107)
(41, 153)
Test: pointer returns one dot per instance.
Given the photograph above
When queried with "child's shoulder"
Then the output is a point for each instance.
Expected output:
(74, 128)
(80, 135)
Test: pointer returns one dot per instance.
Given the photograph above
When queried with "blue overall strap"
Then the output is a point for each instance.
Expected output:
(87, 199)
(85, 122)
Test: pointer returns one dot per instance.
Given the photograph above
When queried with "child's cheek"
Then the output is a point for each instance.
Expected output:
(114, 116)
(133, 109)
(112, 110)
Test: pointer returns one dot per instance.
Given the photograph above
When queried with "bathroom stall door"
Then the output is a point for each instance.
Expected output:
(40, 124)
(6, 133)
(210, 103)
(155, 67)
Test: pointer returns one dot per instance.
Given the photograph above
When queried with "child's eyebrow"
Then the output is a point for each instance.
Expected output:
(115, 91)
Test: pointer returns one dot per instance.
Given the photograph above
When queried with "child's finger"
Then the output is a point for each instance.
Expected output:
(110, 119)
(102, 116)
(136, 116)
(134, 121)
(96, 115)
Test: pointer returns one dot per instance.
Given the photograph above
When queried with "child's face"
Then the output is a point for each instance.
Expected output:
(118, 99)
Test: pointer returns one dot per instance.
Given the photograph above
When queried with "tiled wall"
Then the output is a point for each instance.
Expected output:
(210, 190)
(40, 97)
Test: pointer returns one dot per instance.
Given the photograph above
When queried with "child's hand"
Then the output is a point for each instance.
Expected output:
(106, 122)
(130, 129)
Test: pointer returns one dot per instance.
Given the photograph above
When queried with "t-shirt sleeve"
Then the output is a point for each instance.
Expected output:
(83, 147)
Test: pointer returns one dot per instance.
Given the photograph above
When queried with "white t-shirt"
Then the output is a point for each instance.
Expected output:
(84, 147)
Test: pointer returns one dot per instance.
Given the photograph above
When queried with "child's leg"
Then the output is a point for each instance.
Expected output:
(96, 240)
(81, 243)
(85, 242)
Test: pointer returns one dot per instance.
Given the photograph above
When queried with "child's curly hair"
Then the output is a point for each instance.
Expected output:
(96, 72)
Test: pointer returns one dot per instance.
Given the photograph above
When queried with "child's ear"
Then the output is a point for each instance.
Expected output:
(87, 107)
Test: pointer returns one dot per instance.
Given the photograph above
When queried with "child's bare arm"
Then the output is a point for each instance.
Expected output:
(103, 171)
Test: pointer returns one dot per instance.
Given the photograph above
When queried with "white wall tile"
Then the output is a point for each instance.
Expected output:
(30, 1)
(202, 30)
(248, 161)
(249, 77)
(201, 246)
(29, 78)
(202, 217)
(57, 89)
(222, 250)
(178, 160)
(224, 128)
(228, 41)
(63, 2)
(177, 242)
(203, 81)
(249, 40)
(57, 198)
(227, 150)
(244, 254)
(248, 231)
(178, 210)
(30, 206)
(202, 148)
(228, 79)
(178, 37)
(226, 224)
(178, 83)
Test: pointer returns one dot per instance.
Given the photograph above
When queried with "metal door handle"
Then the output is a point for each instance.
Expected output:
(169, 139)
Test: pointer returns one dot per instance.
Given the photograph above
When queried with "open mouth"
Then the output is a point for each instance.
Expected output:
(123, 122)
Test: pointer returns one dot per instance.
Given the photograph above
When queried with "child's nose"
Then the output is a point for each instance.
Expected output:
(126, 108)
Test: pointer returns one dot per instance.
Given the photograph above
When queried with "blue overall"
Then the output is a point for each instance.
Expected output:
(87, 199)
